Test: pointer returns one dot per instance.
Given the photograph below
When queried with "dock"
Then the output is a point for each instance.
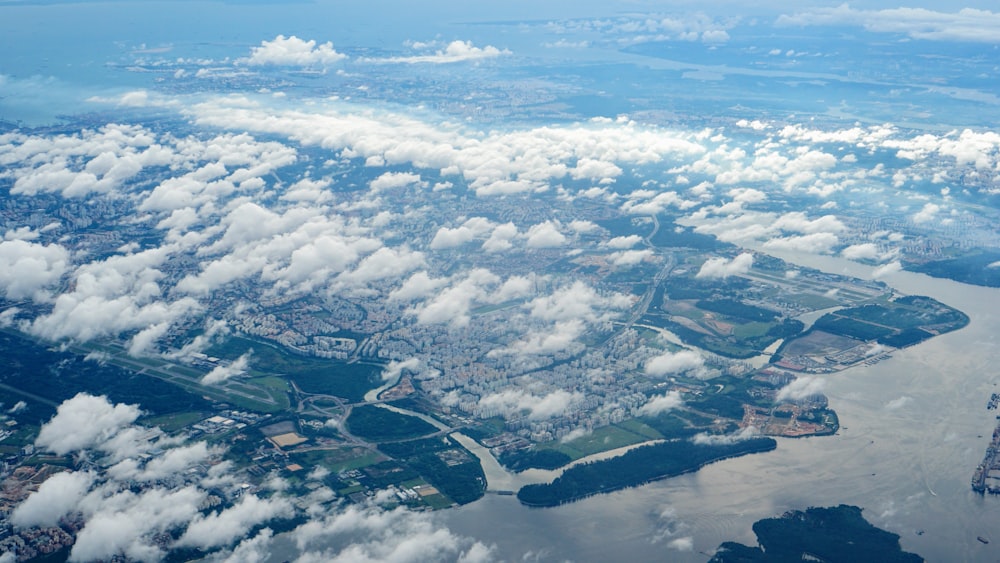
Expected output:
(986, 477)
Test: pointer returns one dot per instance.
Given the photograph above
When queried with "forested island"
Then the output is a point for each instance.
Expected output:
(636, 467)
(976, 268)
(817, 534)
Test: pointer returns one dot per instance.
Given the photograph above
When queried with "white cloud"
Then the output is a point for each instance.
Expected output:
(452, 238)
(83, 422)
(629, 257)
(368, 533)
(395, 368)
(583, 227)
(252, 550)
(623, 242)
(26, 268)
(501, 237)
(674, 362)
(722, 268)
(898, 403)
(685, 543)
(418, 286)
(862, 251)
(801, 388)
(545, 235)
(659, 404)
(720, 439)
(574, 434)
(452, 304)
(887, 269)
(124, 522)
(578, 301)
(456, 51)
(967, 24)
(222, 373)
(55, 498)
(715, 36)
(394, 180)
(558, 337)
(224, 527)
(542, 407)
(927, 214)
(93, 161)
(384, 263)
(292, 51)
(815, 243)
(174, 461)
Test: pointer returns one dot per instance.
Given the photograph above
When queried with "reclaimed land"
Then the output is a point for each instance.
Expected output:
(637, 467)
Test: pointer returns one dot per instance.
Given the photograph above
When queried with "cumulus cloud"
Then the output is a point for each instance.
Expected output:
(292, 51)
(801, 388)
(93, 161)
(173, 461)
(721, 439)
(451, 238)
(55, 498)
(578, 301)
(452, 304)
(366, 533)
(395, 368)
(224, 527)
(222, 373)
(575, 434)
(501, 238)
(898, 403)
(967, 24)
(659, 404)
(674, 362)
(26, 268)
(492, 164)
(887, 269)
(545, 235)
(394, 180)
(630, 257)
(815, 243)
(83, 422)
(417, 286)
(863, 251)
(538, 407)
(722, 268)
(456, 51)
(560, 336)
(685, 543)
(120, 519)
(927, 213)
(623, 242)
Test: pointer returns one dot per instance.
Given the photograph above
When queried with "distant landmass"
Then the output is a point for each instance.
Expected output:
(817, 534)
(980, 268)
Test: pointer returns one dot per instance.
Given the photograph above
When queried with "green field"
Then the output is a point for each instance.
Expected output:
(379, 424)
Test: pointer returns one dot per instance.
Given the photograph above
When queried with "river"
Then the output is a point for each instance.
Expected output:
(913, 429)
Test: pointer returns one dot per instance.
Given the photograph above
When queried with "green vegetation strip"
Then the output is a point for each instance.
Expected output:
(637, 467)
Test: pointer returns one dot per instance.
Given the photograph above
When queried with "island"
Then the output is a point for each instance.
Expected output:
(636, 467)
(836, 534)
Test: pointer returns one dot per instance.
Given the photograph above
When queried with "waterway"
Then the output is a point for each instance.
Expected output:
(913, 429)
